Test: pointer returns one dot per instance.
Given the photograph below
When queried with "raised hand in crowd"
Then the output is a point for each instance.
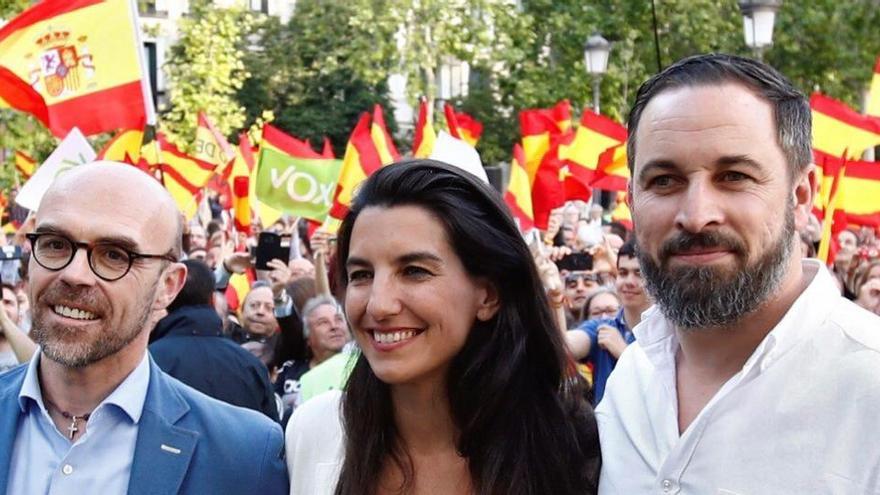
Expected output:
(237, 262)
(22, 345)
(278, 276)
(611, 340)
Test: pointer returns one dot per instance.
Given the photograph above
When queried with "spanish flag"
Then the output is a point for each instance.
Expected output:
(241, 206)
(183, 176)
(245, 165)
(238, 288)
(360, 161)
(210, 144)
(873, 108)
(828, 223)
(621, 212)
(519, 193)
(463, 126)
(423, 142)
(596, 134)
(838, 129)
(538, 126)
(25, 165)
(851, 196)
(555, 183)
(85, 59)
(381, 138)
(16, 93)
(612, 172)
(125, 147)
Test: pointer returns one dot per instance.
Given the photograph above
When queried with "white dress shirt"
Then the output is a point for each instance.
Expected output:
(801, 417)
(314, 445)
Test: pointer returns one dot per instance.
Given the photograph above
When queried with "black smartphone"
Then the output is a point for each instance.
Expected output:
(576, 262)
(271, 246)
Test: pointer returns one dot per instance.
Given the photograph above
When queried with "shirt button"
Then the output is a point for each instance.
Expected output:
(667, 485)
(67, 469)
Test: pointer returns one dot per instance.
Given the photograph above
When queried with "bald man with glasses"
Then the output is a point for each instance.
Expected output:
(91, 412)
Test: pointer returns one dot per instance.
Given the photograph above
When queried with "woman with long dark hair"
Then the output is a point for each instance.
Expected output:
(463, 385)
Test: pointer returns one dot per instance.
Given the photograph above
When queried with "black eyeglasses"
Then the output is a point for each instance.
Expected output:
(108, 261)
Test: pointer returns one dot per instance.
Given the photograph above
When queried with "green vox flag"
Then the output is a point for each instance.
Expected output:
(296, 185)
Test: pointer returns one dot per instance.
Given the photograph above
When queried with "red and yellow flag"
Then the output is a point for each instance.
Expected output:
(327, 151)
(463, 126)
(238, 288)
(360, 161)
(381, 138)
(555, 184)
(873, 107)
(423, 141)
(838, 129)
(612, 173)
(241, 206)
(125, 147)
(621, 212)
(851, 196)
(25, 165)
(85, 59)
(183, 176)
(537, 126)
(595, 134)
(826, 241)
(18, 94)
(210, 144)
(519, 193)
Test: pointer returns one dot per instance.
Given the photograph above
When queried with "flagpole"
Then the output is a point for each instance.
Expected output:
(146, 88)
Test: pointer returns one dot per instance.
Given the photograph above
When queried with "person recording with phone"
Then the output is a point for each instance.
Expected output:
(601, 341)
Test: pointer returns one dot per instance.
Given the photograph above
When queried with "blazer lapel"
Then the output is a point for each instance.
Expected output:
(163, 451)
(9, 414)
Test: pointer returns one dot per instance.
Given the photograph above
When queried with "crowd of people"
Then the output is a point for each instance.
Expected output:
(432, 347)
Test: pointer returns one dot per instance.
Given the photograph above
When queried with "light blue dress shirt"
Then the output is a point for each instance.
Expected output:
(44, 461)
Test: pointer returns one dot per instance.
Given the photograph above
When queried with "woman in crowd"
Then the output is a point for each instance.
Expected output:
(463, 385)
(604, 303)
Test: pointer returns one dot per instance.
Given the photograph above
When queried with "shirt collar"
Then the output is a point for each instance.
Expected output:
(129, 396)
(656, 336)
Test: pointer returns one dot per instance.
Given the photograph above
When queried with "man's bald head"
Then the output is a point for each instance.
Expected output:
(122, 189)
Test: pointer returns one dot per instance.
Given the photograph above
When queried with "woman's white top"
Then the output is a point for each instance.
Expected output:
(314, 445)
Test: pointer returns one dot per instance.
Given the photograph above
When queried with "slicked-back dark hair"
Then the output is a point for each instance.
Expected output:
(791, 109)
(198, 289)
(525, 427)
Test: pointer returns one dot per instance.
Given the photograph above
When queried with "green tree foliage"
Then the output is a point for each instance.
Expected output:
(828, 46)
(205, 71)
(312, 73)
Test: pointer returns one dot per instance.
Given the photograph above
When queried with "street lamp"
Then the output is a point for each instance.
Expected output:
(596, 61)
(758, 19)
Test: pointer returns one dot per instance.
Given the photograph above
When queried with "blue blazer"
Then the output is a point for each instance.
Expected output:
(187, 443)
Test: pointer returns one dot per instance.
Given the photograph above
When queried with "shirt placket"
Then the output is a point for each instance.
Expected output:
(673, 469)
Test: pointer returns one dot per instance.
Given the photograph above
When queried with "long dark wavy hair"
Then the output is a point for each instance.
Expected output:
(524, 425)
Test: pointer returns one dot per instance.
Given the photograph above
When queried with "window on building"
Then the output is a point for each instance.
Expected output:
(260, 6)
(147, 6)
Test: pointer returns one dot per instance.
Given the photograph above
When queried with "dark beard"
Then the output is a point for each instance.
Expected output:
(695, 297)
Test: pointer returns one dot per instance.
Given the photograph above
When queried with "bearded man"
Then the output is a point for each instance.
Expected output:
(751, 374)
(92, 413)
